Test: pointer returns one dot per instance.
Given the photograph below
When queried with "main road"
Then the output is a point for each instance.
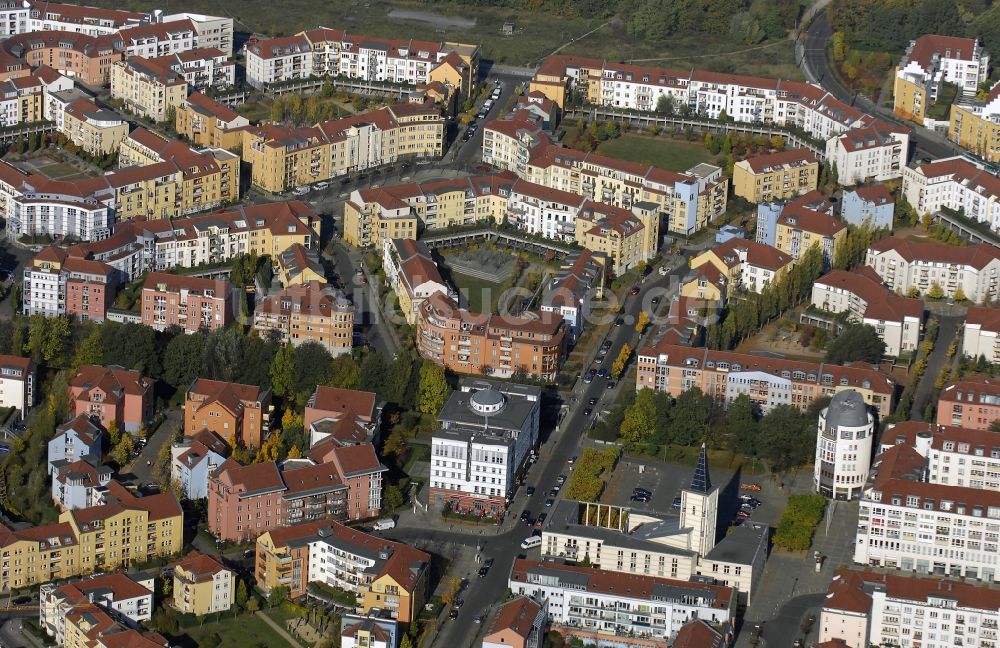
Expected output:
(563, 442)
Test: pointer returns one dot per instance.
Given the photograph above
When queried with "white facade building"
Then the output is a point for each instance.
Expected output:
(17, 383)
(58, 216)
(903, 265)
(870, 153)
(845, 433)
(956, 456)
(596, 602)
(488, 428)
(981, 334)
(957, 184)
(132, 599)
(932, 60)
(211, 31)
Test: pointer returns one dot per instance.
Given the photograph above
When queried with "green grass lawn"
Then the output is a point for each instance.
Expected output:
(666, 153)
(482, 295)
(245, 631)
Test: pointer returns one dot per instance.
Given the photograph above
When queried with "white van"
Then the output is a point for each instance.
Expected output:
(664, 270)
(384, 525)
(532, 542)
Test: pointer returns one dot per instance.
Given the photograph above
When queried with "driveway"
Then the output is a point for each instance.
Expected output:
(139, 469)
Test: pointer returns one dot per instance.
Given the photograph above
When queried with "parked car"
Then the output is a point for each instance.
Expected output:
(634, 291)
(478, 618)
(572, 460)
(589, 377)
(561, 479)
(676, 503)
(525, 515)
(600, 358)
(321, 185)
(619, 321)
(549, 502)
(530, 490)
(588, 411)
(592, 401)
(541, 520)
(299, 191)
(641, 491)
(611, 384)
(742, 515)
(554, 492)
(640, 498)
(603, 373)
(453, 614)
(754, 488)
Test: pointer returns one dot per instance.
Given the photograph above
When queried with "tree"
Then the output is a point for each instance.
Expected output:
(740, 425)
(253, 604)
(643, 322)
(935, 291)
(653, 20)
(856, 342)
(960, 295)
(639, 424)
(406, 642)
(913, 292)
(433, 390)
(395, 446)
(689, 417)
(283, 372)
(277, 595)
(114, 434)
(344, 372)
(241, 593)
(665, 105)
(89, 350)
(448, 597)
(790, 439)
(56, 340)
(621, 361)
(183, 359)
(392, 499)
(122, 452)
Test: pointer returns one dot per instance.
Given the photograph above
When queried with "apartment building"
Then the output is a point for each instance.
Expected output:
(746, 265)
(347, 416)
(872, 204)
(201, 68)
(117, 593)
(298, 266)
(112, 395)
(776, 176)
(799, 228)
(570, 291)
(708, 94)
(334, 483)
(335, 53)
(17, 383)
(212, 32)
(931, 61)
(373, 215)
(971, 402)
(206, 122)
(202, 585)
(147, 87)
(80, 484)
(955, 456)
(192, 179)
(496, 345)
(901, 516)
(861, 295)
(864, 608)
(519, 623)
(957, 184)
(71, 18)
(191, 303)
(844, 436)
(22, 99)
(238, 414)
(74, 440)
(872, 153)
(647, 608)
(768, 382)
(906, 265)
(285, 158)
(80, 56)
(975, 124)
(412, 274)
(688, 201)
(375, 630)
(80, 542)
(154, 39)
(194, 458)
(980, 334)
(383, 574)
(619, 238)
(56, 284)
(481, 450)
(313, 312)
(666, 545)
(97, 131)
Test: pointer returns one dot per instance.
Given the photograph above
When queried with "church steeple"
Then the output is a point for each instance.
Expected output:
(701, 482)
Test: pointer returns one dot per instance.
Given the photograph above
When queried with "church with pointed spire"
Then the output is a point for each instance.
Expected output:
(673, 545)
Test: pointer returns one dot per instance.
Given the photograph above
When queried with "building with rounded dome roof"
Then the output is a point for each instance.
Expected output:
(845, 433)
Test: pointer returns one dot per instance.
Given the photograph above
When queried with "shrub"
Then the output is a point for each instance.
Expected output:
(798, 522)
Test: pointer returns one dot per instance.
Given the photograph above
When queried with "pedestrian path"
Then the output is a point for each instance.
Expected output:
(277, 628)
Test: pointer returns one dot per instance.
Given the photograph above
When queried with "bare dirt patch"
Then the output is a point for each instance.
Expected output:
(435, 19)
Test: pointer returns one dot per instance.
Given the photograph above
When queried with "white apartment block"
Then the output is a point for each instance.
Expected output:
(898, 320)
(955, 456)
(875, 152)
(158, 39)
(597, 603)
(117, 593)
(981, 334)
(957, 184)
(202, 68)
(58, 216)
(212, 32)
(903, 264)
(932, 60)
(865, 609)
(487, 430)
(543, 211)
(927, 528)
(844, 436)
(333, 52)
(17, 383)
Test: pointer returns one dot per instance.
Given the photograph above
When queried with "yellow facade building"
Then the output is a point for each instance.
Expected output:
(202, 585)
(96, 130)
(975, 125)
(206, 122)
(776, 176)
(283, 159)
(909, 99)
(799, 229)
(147, 88)
(124, 531)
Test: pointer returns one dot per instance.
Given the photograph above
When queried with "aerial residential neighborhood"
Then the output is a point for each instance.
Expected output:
(529, 325)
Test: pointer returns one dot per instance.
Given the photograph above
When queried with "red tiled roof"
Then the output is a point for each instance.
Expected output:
(810, 221)
(758, 254)
(965, 172)
(954, 47)
(876, 194)
(781, 160)
(112, 381)
(987, 319)
(201, 567)
(517, 615)
(697, 634)
(976, 256)
(882, 303)
(848, 591)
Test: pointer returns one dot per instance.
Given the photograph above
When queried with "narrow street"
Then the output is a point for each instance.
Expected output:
(947, 331)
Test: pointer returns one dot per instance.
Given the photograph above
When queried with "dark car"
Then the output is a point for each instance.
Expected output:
(611, 384)
(634, 291)
(677, 502)
(603, 373)
(605, 345)
(656, 300)
(483, 571)
(549, 502)
(525, 515)
(541, 520)
(554, 492)
(641, 491)
(592, 401)
(22, 600)
(619, 321)
(588, 411)
(636, 497)
(590, 376)
(530, 490)
(453, 614)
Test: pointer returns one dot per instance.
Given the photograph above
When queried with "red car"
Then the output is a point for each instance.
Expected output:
(634, 291)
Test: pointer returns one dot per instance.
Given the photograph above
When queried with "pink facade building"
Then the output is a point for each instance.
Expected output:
(973, 402)
(112, 395)
(192, 303)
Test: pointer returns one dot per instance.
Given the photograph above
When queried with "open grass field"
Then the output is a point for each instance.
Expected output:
(482, 295)
(663, 152)
(245, 631)
(536, 35)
